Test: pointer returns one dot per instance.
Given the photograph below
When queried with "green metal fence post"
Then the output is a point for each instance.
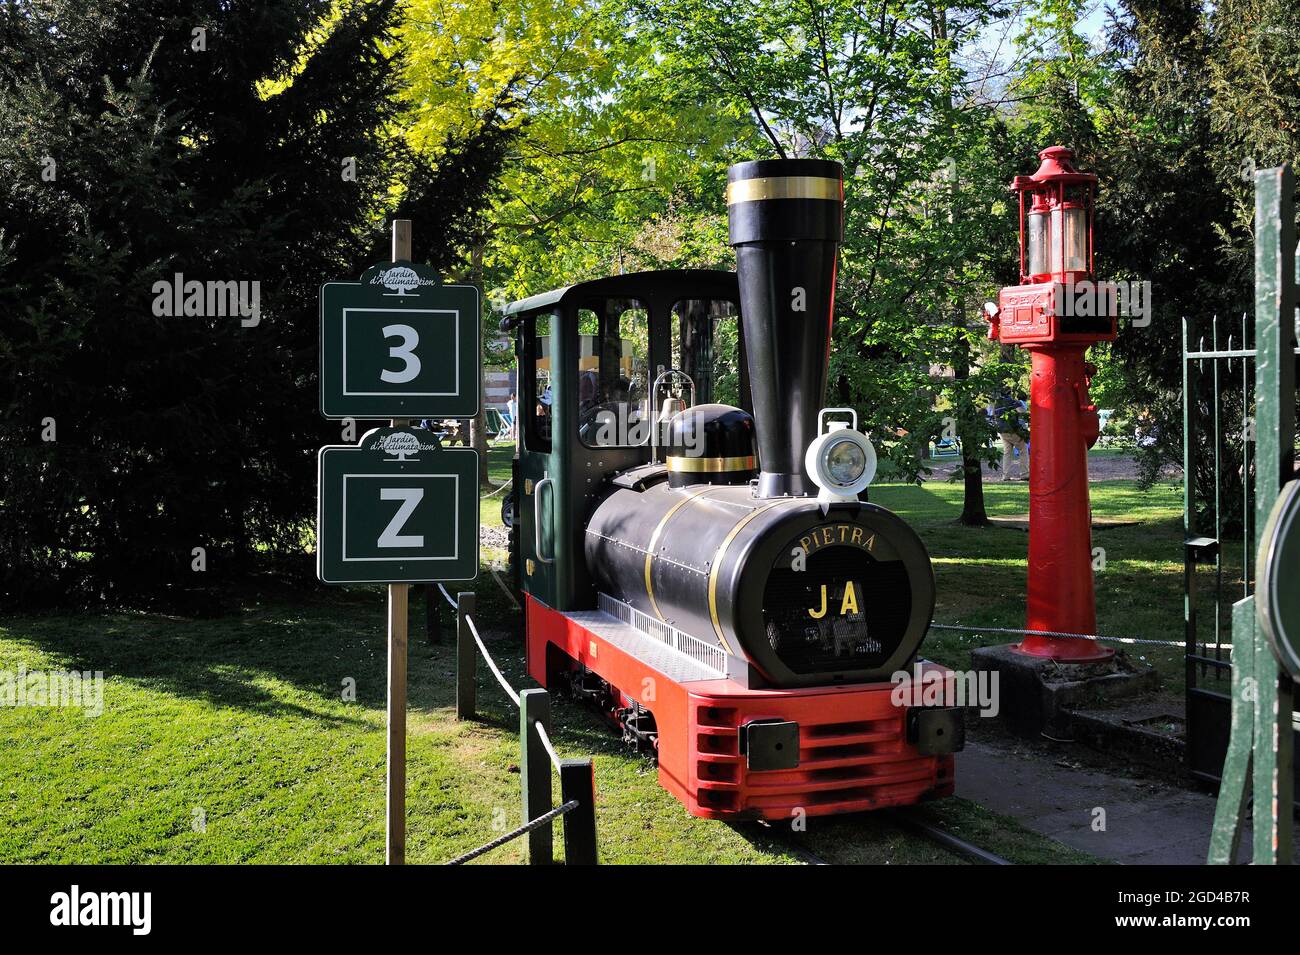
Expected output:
(1275, 300)
(1234, 790)
(535, 772)
(578, 781)
(1189, 504)
(466, 658)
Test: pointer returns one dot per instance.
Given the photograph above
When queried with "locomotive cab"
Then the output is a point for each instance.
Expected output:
(588, 356)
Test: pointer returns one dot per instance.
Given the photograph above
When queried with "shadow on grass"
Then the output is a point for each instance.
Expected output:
(309, 637)
(232, 661)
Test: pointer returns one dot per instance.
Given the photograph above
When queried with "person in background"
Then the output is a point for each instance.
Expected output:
(512, 409)
(1007, 416)
(543, 415)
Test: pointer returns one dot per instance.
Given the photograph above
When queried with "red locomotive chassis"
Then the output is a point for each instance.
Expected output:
(853, 744)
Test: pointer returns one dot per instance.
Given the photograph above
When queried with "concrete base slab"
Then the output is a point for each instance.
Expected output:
(1036, 694)
(1155, 740)
(1125, 820)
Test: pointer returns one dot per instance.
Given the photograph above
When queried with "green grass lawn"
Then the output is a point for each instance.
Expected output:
(231, 740)
(980, 572)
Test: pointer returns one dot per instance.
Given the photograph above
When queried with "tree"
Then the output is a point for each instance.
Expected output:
(873, 86)
(592, 152)
(225, 143)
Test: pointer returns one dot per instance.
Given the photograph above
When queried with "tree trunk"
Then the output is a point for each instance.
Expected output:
(971, 433)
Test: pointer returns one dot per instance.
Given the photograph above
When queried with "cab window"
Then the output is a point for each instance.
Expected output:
(613, 367)
(535, 393)
(706, 345)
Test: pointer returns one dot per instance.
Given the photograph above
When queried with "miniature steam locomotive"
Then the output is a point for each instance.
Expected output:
(709, 573)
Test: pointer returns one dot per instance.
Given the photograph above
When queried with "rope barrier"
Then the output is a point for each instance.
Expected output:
(537, 823)
(454, 605)
(487, 657)
(545, 737)
(492, 664)
(488, 497)
(1057, 633)
(577, 781)
(504, 589)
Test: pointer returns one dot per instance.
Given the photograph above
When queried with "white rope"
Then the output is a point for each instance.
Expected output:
(499, 489)
(487, 657)
(504, 589)
(546, 745)
(1057, 633)
(454, 605)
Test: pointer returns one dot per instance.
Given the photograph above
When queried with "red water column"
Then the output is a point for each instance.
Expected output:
(1063, 426)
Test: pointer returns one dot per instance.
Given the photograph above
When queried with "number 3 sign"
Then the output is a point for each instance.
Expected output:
(399, 344)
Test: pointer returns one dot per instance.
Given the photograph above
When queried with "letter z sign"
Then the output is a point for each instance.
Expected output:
(397, 508)
(399, 344)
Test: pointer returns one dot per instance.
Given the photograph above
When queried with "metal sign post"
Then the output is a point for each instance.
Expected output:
(397, 508)
(395, 765)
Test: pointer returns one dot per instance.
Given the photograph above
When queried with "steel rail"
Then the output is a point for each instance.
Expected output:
(946, 839)
(1057, 633)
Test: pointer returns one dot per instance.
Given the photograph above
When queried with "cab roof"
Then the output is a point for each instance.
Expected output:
(630, 284)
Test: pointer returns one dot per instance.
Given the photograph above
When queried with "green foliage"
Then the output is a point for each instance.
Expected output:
(628, 114)
(219, 155)
(870, 85)
(1202, 97)
(591, 181)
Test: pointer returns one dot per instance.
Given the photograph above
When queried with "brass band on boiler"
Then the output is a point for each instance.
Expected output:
(785, 187)
(703, 465)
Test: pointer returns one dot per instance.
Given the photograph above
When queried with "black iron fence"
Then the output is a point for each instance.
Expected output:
(1218, 409)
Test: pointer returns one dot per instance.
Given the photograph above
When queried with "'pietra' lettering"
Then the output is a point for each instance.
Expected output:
(848, 535)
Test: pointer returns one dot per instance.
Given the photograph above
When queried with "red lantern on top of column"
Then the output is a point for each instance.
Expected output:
(1057, 298)
(1055, 313)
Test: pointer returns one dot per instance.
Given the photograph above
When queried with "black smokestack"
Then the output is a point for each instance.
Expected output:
(786, 218)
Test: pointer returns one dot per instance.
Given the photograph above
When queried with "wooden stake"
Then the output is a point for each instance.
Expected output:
(397, 649)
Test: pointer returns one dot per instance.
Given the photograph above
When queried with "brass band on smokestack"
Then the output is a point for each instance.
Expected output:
(786, 222)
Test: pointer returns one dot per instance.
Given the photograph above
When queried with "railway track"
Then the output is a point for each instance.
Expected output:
(904, 818)
(908, 820)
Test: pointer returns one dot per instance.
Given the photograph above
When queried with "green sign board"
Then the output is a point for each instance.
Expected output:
(397, 508)
(399, 344)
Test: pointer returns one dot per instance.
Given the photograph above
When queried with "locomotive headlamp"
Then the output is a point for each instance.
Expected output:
(840, 461)
(845, 461)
